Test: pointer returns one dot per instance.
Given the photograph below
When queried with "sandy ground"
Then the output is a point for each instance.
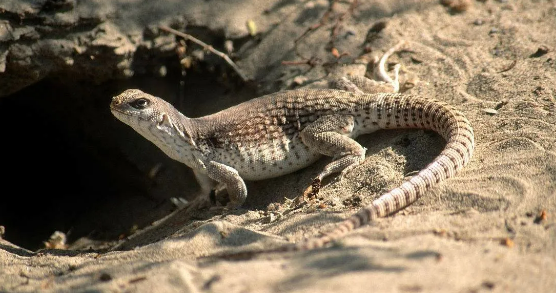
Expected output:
(490, 229)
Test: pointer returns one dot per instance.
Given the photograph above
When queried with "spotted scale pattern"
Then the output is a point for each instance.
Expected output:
(262, 138)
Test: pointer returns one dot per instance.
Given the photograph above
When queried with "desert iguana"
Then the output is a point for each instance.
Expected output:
(285, 131)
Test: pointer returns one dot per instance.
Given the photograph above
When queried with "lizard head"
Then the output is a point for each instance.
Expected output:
(154, 118)
(133, 106)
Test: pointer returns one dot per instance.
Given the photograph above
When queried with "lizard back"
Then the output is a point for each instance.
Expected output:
(260, 138)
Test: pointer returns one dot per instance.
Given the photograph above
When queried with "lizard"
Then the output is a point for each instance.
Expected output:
(282, 132)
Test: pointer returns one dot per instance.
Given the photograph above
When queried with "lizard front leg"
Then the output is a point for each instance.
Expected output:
(229, 176)
(329, 135)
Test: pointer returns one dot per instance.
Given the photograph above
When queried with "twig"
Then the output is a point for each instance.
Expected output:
(509, 67)
(339, 20)
(323, 20)
(206, 47)
(327, 16)
(311, 62)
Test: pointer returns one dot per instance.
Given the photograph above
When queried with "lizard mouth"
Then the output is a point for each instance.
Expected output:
(117, 112)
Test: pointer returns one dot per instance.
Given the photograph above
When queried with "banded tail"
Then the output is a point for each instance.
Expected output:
(396, 111)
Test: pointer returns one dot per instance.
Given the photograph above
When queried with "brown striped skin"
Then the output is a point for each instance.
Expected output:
(286, 131)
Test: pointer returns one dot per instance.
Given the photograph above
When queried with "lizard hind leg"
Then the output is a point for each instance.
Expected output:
(330, 135)
(361, 84)
(381, 82)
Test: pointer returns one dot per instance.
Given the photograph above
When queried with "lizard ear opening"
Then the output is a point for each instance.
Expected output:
(164, 121)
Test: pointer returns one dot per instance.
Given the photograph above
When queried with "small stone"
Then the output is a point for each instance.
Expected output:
(229, 46)
(251, 28)
(299, 80)
(540, 51)
(490, 111)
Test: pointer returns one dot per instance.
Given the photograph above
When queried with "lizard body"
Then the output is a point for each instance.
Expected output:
(283, 132)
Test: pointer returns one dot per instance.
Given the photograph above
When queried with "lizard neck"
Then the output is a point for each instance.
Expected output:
(176, 136)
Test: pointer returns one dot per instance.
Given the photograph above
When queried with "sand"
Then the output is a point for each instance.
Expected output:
(492, 228)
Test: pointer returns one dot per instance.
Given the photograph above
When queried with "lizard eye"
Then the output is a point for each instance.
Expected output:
(140, 103)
